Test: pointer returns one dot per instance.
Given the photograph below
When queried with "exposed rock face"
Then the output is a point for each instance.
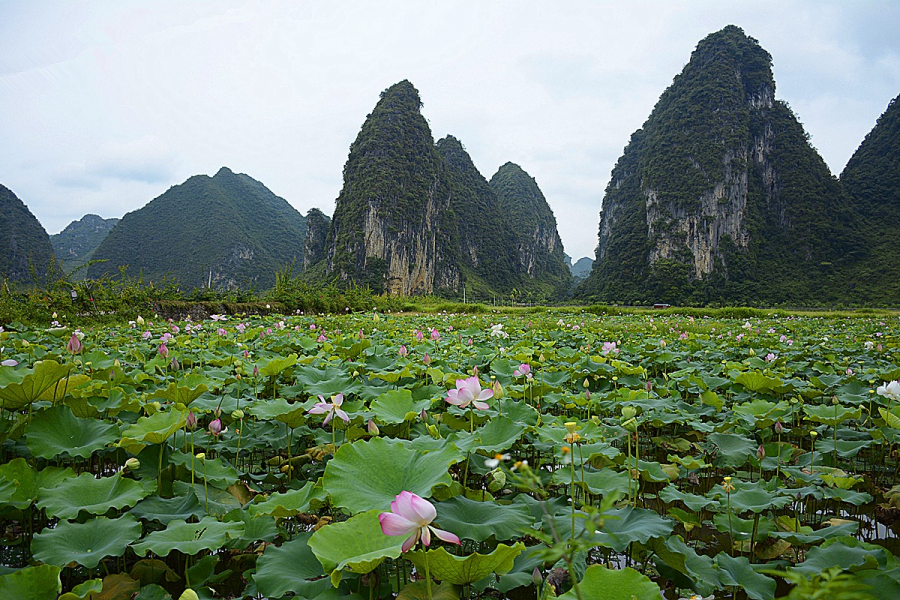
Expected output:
(225, 232)
(75, 244)
(317, 224)
(719, 194)
(25, 250)
(538, 246)
(392, 228)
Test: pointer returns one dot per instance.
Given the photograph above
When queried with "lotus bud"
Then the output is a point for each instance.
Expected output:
(649, 386)
(760, 452)
(54, 315)
(631, 425)
(779, 427)
(834, 400)
(175, 364)
(426, 359)
(536, 577)
(74, 345)
(433, 431)
(587, 394)
(191, 420)
(132, 464)
(372, 427)
(498, 390)
(25, 344)
(189, 594)
(255, 371)
(215, 427)
(163, 350)
(403, 351)
(237, 414)
(586, 383)
(246, 354)
(629, 412)
(139, 320)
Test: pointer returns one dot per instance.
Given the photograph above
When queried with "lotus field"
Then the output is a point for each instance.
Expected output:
(451, 456)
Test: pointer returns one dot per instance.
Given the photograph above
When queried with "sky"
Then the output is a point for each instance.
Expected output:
(105, 105)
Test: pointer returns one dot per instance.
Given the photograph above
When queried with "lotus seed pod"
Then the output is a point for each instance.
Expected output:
(571, 426)
(189, 594)
(629, 412)
(630, 425)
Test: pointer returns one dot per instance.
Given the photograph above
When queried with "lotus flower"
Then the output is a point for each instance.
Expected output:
(330, 409)
(890, 390)
(403, 351)
(411, 514)
(74, 345)
(524, 370)
(163, 350)
(468, 391)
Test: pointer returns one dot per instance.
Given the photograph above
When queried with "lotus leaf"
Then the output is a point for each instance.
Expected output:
(289, 504)
(756, 498)
(290, 568)
(463, 570)
(154, 429)
(279, 409)
(357, 544)
(154, 508)
(85, 543)
(85, 591)
(216, 471)
(479, 521)
(92, 495)
(600, 583)
(841, 554)
(737, 571)
(418, 590)
(831, 414)
(31, 583)
(734, 450)
(369, 474)
(16, 393)
(620, 527)
(181, 392)
(326, 382)
(189, 538)
(18, 484)
(757, 382)
(397, 406)
(56, 431)
(597, 481)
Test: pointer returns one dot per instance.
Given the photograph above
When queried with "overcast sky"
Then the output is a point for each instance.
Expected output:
(105, 105)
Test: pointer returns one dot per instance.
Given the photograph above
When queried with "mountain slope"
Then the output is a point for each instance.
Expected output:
(392, 228)
(719, 197)
(226, 231)
(872, 180)
(25, 251)
(75, 244)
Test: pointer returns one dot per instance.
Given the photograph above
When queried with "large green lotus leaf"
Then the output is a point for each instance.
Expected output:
(479, 521)
(18, 484)
(279, 409)
(807, 535)
(844, 448)
(165, 510)
(326, 382)
(737, 571)
(757, 382)
(523, 570)
(92, 495)
(216, 471)
(734, 450)
(398, 406)
(86, 590)
(839, 554)
(620, 527)
(57, 432)
(155, 429)
(370, 474)
(677, 555)
(696, 503)
(463, 570)
(499, 434)
(290, 568)
(357, 544)
(418, 590)
(756, 498)
(597, 481)
(290, 503)
(277, 364)
(849, 496)
(189, 538)
(31, 583)
(85, 543)
(63, 387)
(600, 583)
(220, 502)
(15, 394)
(182, 392)
(831, 414)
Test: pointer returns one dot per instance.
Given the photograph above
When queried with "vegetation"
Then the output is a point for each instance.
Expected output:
(74, 246)
(26, 256)
(725, 454)
(223, 232)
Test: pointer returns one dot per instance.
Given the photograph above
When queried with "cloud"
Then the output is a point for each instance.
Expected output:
(143, 160)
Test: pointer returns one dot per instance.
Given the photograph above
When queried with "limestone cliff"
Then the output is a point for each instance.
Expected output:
(719, 197)
(317, 224)
(26, 255)
(392, 227)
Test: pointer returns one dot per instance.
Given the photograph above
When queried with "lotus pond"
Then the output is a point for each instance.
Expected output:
(582, 456)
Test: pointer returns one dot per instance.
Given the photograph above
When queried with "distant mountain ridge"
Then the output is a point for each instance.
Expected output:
(26, 255)
(225, 231)
(75, 244)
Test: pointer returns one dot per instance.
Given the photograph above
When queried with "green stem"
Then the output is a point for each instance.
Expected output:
(428, 576)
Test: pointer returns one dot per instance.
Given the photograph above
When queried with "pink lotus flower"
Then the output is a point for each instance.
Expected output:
(403, 351)
(426, 359)
(411, 514)
(330, 408)
(163, 351)
(215, 427)
(419, 336)
(321, 339)
(435, 335)
(74, 345)
(468, 391)
(524, 370)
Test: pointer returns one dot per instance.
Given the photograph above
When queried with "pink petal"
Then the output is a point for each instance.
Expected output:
(480, 405)
(393, 524)
(328, 418)
(485, 394)
(426, 536)
(445, 535)
(319, 408)
(402, 505)
(338, 400)
(423, 508)
(410, 541)
(342, 415)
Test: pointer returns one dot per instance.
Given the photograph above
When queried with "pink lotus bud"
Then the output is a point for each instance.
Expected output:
(372, 427)
(403, 351)
(649, 386)
(426, 359)
(174, 364)
(361, 335)
(255, 370)
(423, 415)
(191, 420)
(321, 339)
(419, 336)
(163, 351)
(74, 345)
(246, 354)
(215, 427)
(778, 427)
(469, 343)
(760, 452)
(587, 394)
(435, 335)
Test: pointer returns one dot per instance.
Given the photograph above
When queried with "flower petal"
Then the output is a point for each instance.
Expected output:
(410, 541)
(342, 415)
(393, 524)
(426, 536)
(445, 535)
(424, 510)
